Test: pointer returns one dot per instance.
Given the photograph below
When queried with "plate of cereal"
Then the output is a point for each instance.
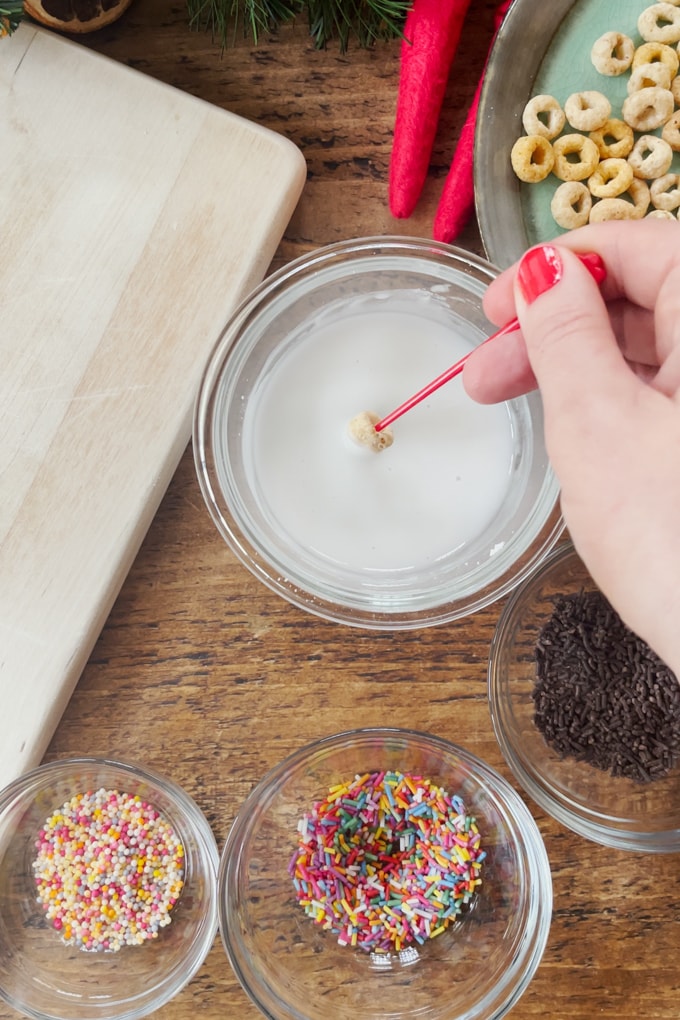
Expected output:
(579, 120)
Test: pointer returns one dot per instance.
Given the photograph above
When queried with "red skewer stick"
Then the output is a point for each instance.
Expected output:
(593, 264)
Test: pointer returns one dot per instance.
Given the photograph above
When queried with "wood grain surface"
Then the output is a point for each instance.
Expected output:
(203, 674)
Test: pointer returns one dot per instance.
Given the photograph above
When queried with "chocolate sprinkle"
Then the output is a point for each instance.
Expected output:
(601, 695)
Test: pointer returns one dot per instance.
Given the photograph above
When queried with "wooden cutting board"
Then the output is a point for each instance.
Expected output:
(135, 218)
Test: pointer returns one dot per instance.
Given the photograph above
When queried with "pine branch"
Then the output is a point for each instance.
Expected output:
(367, 20)
(225, 18)
(11, 13)
(329, 20)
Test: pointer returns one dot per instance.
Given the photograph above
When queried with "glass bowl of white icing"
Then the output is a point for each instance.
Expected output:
(448, 519)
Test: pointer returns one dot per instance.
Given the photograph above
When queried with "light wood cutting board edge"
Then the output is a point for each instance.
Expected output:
(32, 707)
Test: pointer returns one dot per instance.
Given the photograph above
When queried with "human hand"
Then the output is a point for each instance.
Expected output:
(607, 362)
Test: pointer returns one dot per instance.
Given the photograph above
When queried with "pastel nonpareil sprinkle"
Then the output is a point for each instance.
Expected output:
(108, 870)
(386, 860)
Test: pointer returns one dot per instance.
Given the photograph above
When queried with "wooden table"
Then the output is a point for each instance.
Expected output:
(204, 675)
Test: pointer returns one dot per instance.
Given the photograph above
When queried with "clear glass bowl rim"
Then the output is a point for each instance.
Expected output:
(539, 879)
(252, 558)
(141, 1006)
(614, 832)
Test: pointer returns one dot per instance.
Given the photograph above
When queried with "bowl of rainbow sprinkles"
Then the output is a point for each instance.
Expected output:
(107, 890)
(384, 872)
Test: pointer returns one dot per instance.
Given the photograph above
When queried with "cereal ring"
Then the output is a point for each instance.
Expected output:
(660, 214)
(571, 205)
(612, 53)
(614, 140)
(648, 109)
(660, 23)
(675, 90)
(621, 208)
(611, 178)
(532, 158)
(647, 75)
(611, 209)
(543, 115)
(639, 193)
(574, 145)
(587, 111)
(671, 131)
(665, 192)
(650, 157)
(653, 52)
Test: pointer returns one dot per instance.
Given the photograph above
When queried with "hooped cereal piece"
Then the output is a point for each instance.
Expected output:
(655, 52)
(532, 158)
(577, 145)
(614, 140)
(671, 131)
(611, 178)
(621, 208)
(612, 53)
(612, 209)
(665, 193)
(675, 89)
(660, 23)
(362, 430)
(571, 205)
(648, 75)
(660, 214)
(638, 191)
(543, 115)
(587, 111)
(650, 157)
(647, 109)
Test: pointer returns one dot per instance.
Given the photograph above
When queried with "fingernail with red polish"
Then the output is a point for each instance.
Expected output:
(539, 270)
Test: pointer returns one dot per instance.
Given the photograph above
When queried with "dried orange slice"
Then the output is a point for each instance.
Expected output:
(75, 15)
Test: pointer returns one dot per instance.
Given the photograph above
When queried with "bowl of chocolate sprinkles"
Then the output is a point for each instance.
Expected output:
(384, 873)
(586, 714)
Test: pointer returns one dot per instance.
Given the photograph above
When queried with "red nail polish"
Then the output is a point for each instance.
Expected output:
(594, 265)
(539, 270)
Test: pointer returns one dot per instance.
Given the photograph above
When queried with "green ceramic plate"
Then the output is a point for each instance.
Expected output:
(542, 47)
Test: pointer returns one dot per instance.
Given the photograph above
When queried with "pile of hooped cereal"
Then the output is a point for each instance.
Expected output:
(612, 167)
(386, 860)
(108, 870)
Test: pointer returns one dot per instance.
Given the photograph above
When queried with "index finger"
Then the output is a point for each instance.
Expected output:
(639, 255)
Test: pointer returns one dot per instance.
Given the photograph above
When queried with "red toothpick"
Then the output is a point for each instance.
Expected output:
(595, 267)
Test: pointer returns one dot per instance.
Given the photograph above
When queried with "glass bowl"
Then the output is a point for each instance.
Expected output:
(445, 521)
(294, 969)
(613, 810)
(42, 976)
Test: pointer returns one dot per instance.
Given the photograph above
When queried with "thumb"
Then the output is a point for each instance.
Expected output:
(570, 342)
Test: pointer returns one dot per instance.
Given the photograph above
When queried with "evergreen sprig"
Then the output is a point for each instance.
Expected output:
(11, 13)
(365, 21)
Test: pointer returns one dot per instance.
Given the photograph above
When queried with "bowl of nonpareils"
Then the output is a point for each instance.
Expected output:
(587, 716)
(107, 890)
(384, 873)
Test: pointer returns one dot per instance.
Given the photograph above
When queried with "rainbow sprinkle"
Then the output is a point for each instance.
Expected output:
(386, 860)
(109, 869)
